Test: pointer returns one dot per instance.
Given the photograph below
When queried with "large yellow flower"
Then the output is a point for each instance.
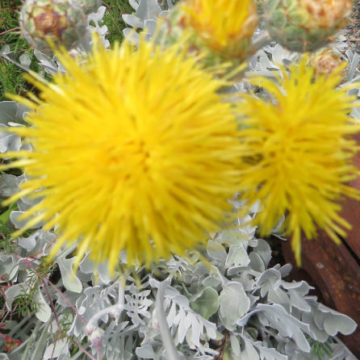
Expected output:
(225, 26)
(298, 151)
(132, 150)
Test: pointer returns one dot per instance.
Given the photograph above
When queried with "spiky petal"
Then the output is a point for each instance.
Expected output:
(298, 153)
(132, 150)
(225, 26)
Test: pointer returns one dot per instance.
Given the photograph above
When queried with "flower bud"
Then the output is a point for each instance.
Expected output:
(61, 22)
(305, 25)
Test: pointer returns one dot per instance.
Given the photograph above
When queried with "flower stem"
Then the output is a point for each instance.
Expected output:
(263, 40)
(164, 329)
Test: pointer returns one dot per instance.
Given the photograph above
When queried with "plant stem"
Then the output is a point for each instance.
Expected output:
(263, 40)
(164, 329)
(10, 30)
(118, 308)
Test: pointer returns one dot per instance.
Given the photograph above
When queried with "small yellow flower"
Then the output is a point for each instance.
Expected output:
(132, 150)
(298, 151)
(225, 26)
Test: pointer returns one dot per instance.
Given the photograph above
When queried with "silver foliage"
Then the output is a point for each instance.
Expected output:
(237, 297)
(145, 17)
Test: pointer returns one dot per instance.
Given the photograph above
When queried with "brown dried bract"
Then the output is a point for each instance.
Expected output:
(50, 22)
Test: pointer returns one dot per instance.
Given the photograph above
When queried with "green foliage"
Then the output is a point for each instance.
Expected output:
(11, 79)
(320, 350)
(24, 304)
(11, 76)
(66, 322)
(113, 19)
(206, 303)
(6, 243)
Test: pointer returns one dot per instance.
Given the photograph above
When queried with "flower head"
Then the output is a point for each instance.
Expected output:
(225, 26)
(325, 61)
(326, 13)
(305, 25)
(132, 150)
(297, 152)
(60, 21)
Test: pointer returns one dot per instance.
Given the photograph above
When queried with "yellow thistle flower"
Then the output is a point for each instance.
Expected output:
(132, 150)
(226, 26)
(297, 153)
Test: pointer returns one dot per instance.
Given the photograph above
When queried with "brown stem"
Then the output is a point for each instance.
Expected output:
(223, 346)
(10, 30)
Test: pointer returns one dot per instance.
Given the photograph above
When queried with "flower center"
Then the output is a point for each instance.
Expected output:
(130, 158)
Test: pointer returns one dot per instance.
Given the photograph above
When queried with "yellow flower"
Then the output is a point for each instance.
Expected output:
(132, 150)
(225, 26)
(298, 151)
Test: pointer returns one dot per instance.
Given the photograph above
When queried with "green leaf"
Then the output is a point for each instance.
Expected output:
(234, 303)
(5, 216)
(206, 303)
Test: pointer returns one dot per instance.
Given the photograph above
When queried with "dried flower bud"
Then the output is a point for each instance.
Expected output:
(325, 62)
(62, 22)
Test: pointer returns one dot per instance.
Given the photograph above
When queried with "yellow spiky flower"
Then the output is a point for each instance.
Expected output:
(226, 26)
(132, 150)
(298, 151)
